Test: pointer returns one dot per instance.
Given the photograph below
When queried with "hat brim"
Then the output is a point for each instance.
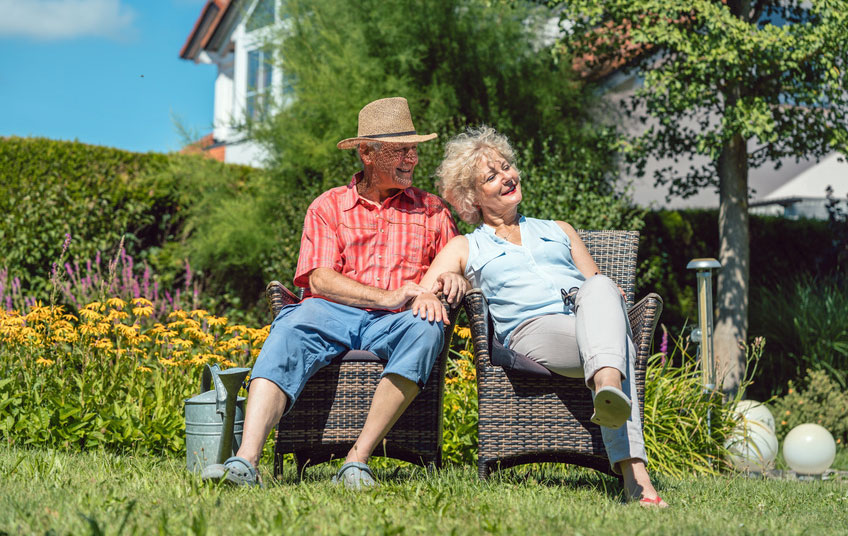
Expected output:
(352, 143)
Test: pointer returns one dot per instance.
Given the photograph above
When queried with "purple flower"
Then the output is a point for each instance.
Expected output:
(664, 346)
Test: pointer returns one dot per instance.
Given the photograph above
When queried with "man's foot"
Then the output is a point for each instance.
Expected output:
(235, 471)
(355, 476)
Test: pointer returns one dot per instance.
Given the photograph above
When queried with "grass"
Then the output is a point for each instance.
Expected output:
(50, 492)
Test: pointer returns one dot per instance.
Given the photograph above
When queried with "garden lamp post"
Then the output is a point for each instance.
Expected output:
(704, 333)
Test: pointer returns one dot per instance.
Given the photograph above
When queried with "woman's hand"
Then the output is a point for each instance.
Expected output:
(430, 307)
(452, 285)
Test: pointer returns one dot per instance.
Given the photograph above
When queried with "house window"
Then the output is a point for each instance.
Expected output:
(262, 16)
(259, 75)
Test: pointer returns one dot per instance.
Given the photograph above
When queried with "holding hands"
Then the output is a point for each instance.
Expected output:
(452, 286)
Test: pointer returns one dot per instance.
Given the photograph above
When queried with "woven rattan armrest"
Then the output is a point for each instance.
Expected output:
(643, 317)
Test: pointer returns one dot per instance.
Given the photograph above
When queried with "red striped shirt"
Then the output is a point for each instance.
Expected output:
(382, 246)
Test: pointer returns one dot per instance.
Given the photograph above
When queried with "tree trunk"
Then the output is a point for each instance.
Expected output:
(731, 327)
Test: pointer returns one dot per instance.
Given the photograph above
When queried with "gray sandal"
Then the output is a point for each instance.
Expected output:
(355, 476)
(612, 407)
(236, 471)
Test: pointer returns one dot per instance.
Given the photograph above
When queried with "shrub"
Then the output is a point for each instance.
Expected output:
(780, 249)
(685, 428)
(460, 401)
(49, 189)
(818, 400)
(100, 380)
(805, 320)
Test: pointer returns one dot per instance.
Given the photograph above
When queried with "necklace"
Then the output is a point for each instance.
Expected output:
(509, 234)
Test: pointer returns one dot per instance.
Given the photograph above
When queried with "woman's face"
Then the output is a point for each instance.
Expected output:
(497, 184)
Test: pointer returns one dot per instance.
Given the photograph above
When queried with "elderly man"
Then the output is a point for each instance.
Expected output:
(365, 247)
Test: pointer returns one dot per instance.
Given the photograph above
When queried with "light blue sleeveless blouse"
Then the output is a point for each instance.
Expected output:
(522, 282)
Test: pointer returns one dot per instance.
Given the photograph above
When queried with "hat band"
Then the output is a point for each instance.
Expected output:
(392, 135)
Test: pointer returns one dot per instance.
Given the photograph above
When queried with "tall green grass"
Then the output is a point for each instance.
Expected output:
(805, 321)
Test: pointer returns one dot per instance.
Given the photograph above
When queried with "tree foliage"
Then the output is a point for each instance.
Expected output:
(458, 62)
(771, 71)
(740, 82)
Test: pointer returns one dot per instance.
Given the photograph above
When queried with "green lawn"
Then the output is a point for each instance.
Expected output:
(47, 492)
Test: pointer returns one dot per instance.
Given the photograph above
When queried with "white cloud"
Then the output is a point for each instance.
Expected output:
(53, 20)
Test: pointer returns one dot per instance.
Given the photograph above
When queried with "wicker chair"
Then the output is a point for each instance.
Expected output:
(528, 414)
(330, 412)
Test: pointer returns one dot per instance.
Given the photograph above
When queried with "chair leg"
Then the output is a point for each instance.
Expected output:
(484, 469)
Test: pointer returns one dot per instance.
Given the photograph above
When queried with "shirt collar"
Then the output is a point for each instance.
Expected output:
(488, 229)
(352, 197)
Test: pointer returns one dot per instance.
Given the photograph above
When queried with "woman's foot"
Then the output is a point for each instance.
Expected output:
(638, 486)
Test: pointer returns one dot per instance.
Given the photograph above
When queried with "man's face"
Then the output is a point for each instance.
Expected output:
(394, 163)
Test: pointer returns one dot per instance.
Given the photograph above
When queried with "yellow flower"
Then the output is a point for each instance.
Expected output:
(199, 313)
(104, 344)
(124, 330)
(466, 354)
(234, 328)
(114, 314)
(93, 306)
(46, 362)
(88, 329)
(116, 302)
(142, 311)
(182, 343)
(462, 333)
(144, 369)
(176, 324)
(179, 313)
(168, 362)
(142, 302)
(216, 321)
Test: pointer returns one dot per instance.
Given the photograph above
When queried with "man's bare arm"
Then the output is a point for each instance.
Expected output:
(339, 288)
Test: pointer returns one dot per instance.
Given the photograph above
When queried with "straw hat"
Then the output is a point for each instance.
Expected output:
(385, 120)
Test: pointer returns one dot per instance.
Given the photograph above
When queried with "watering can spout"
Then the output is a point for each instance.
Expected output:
(211, 416)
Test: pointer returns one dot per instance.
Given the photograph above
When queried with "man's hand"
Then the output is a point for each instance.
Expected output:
(452, 285)
(399, 297)
(430, 307)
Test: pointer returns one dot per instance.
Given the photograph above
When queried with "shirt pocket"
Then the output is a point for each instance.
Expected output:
(554, 250)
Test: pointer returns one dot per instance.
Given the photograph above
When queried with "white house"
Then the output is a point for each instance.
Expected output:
(229, 34)
(794, 190)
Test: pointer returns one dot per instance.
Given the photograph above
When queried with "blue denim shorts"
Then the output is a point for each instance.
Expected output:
(307, 336)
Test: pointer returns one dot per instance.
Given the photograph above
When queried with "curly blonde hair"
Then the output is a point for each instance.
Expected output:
(458, 171)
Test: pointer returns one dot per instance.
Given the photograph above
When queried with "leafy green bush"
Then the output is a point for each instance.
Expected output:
(98, 195)
(51, 188)
(685, 428)
(805, 320)
(781, 249)
(820, 400)
(459, 444)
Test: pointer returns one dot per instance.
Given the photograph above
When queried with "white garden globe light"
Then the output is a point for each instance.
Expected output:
(809, 449)
(752, 447)
(752, 410)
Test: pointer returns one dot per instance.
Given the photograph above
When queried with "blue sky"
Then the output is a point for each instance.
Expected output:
(104, 72)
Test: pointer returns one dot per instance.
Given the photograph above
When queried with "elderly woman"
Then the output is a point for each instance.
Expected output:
(521, 264)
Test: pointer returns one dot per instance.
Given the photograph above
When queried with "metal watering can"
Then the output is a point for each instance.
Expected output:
(214, 419)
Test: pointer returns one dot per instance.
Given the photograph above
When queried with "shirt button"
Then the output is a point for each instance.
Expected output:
(379, 256)
(378, 279)
(382, 230)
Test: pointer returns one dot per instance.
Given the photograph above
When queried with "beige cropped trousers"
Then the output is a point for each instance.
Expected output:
(597, 335)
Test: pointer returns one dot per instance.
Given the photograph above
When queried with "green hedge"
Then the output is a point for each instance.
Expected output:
(97, 195)
(781, 250)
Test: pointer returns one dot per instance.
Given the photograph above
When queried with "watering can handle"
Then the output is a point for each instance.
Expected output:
(207, 381)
